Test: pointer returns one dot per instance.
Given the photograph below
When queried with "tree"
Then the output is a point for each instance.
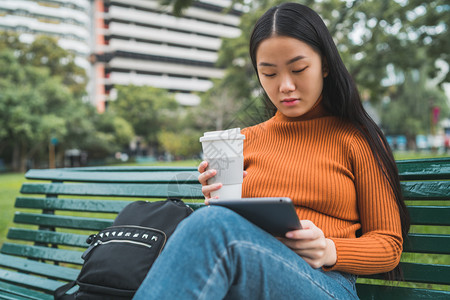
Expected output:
(420, 100)
(41, 100)
(112, 134)
(373, 37)
(372, 30)
(184, 143)
(40, 84)
(29, 109)
(147, 109)
(45, 52)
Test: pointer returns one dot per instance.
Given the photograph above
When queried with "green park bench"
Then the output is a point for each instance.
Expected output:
(57, 213)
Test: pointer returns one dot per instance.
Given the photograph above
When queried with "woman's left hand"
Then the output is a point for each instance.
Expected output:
(310, 243)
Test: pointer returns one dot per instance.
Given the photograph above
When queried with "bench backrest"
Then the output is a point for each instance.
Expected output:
(426, 190)
(73, 203)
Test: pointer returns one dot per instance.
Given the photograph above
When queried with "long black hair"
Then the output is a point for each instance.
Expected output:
(340, 95)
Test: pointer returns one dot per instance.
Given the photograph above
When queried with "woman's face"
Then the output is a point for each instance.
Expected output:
(291, 73)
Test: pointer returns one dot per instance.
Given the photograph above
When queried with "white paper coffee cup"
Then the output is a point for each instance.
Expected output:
(224, 152)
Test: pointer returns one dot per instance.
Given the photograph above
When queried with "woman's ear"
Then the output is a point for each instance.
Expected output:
(325, 69)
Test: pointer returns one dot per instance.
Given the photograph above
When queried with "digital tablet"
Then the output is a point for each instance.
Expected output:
(275, 215)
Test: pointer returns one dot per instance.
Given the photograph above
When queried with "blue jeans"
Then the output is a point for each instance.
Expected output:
(217, 254)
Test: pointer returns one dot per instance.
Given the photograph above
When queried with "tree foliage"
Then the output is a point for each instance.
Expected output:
(420, 100)
(45, 52)
(376, 31)
(110, 134)
(147, 109)
(376, 38)
(182, 143)
(41, 100)
(30, 108)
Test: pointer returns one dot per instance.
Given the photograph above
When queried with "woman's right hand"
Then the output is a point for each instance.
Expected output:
(203, 178)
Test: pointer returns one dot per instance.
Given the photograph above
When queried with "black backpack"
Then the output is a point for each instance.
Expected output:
(119, 257)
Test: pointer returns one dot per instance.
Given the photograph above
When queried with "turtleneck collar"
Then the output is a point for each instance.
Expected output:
(317, 111)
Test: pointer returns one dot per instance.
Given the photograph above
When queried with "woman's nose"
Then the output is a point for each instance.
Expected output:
(287, 85)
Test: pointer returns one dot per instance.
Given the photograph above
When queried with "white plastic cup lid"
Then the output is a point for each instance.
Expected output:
(230, 134)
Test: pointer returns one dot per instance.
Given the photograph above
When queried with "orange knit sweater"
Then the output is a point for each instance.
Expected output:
(327, 168)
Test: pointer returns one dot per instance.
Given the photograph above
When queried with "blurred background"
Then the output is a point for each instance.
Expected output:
(97, 82)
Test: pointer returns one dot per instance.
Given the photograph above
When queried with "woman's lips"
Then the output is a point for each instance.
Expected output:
(290, 101)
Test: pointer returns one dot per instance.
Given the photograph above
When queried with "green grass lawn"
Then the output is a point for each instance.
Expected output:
(413, 155)
(9, 190)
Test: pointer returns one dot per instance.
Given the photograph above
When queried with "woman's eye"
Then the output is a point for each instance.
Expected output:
(269, 75)
(298, 71)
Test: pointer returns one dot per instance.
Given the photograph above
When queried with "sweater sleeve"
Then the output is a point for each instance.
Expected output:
(379, 247)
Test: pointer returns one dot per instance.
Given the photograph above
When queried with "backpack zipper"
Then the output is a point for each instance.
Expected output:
(139, 227)
(99, 242)
(124, 241)
(92, 237)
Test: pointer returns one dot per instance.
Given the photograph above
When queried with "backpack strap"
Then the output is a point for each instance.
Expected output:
(61, 292)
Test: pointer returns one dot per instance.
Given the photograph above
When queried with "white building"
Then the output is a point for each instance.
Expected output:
(139, 42)
(67, 20)
(121, 42)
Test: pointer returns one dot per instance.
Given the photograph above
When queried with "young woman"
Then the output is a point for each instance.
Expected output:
(323, 151)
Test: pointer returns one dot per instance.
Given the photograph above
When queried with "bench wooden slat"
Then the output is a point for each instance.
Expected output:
(146, 169)
(428, 273)
(48, 237)
(87, 205)
(7, 295)
(39, 268)
(369, 291)
(10, 291)
(418, 272)
(40, 283)
(45, 253)
(427, 243)
(10, 295)
(416, 169)
(430, 215)
(117, 190)
(419, 169)
(135, 176)
(426, 190)
(62, 221)
(4, 295)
